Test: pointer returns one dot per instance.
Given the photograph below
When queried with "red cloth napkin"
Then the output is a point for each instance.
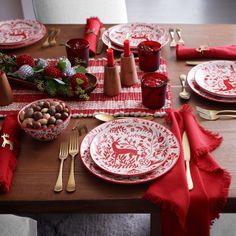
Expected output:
(91, 34)
(221, 52)
(8, 157)
(185, 212)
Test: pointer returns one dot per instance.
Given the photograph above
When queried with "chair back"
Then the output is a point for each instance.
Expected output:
(77, 11)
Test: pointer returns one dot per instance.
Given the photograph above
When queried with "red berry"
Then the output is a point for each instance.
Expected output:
(25, 59)
(52, 72)
(82, 77)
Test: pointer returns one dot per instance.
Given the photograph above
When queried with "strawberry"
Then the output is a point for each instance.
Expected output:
(25, 59)
(52, 72)
(79, 79)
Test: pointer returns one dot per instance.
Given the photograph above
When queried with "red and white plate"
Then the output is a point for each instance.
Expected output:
(198, 90)
(132, 147)
(218, 78)
(165, 166)
(20, 33)
(137, 33)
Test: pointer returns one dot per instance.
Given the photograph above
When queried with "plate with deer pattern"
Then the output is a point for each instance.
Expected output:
(131, 147)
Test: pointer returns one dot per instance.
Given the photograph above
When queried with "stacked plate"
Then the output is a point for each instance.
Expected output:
(214, 80)
(20, 33)
(136, 32)
(129, 151)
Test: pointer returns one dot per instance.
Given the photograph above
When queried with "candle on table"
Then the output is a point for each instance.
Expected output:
(126, 48)
(110, 57)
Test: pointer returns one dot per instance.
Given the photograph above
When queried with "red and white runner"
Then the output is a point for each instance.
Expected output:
(128, 102)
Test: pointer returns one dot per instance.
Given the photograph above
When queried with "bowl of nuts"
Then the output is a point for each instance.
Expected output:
(44, 119)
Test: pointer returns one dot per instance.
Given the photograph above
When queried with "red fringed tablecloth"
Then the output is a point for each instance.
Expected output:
(128, 102)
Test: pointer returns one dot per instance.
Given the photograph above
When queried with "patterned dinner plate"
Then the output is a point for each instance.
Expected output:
(138, 32)
(88, 162)
(132, 147)
(217, 78)
(199, 91)
(20, 31)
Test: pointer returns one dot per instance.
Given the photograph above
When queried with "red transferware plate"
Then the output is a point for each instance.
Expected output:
(138, 32)
(218, 78)
(165, 166)
(20, 33)
(132, 147)
(198, 90)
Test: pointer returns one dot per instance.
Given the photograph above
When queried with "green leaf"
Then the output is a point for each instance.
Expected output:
(79, 81)
(80, 69)
(61, 65)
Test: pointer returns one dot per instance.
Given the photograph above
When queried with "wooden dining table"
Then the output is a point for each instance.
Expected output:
(32, 189)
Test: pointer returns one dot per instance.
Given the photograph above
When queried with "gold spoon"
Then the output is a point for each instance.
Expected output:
(184, 94)
(107, 117)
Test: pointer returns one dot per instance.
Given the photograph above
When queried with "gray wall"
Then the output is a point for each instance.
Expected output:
(10, 9)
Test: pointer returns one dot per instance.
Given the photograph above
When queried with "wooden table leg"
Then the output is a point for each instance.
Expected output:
(155, 224)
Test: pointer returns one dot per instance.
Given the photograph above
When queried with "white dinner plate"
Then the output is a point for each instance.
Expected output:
(97, 171)
(199, 91)
(218, 78)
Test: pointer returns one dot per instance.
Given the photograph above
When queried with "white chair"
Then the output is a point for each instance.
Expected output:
(77, 11)
(12, 225)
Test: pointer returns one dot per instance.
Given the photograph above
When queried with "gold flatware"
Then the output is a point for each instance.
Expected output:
(178, 32)
(47, 40)
(184, 94)
(215, 114)
(194, 63)
(100, 42)
(73, 151)
(187, 156)
(172, 36)
(108, 117)
(81, 128)
(63, 154)
(216, 117)
(53, 41)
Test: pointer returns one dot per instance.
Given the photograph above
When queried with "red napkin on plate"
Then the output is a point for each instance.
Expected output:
(91, 34)
(184, 212)
(220, 52)
(10, 132)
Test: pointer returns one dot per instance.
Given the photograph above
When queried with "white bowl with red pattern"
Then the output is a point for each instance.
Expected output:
(44, 119)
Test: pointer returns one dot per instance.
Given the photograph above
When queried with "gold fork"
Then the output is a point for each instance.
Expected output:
(178, 32)
(53, 41)
(73, 151)
(50, 34)
(63, 154)
(214, 114)
(172, 35)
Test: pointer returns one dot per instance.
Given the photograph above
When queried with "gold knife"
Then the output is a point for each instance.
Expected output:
(100, 42)
(186, 149)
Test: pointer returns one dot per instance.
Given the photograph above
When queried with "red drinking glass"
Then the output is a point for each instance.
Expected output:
(154, 90)
(78, 51)
(149, 55)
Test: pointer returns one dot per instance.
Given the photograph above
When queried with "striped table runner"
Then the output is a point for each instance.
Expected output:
(128, 102)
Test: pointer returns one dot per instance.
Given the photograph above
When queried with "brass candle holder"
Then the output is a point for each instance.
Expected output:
(128, 72)
(112, 84)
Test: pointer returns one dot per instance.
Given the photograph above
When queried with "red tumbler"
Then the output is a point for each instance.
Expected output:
(154, 90)
(149, 56)
(78, 51)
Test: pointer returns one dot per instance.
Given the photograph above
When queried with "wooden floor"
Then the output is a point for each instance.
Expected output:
(182, 11)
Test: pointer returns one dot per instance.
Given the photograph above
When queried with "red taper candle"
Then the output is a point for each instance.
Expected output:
(110, 57)
(126, 48)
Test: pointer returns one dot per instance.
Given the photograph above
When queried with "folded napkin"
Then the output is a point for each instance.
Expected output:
(91, 34)
(10, 136)
(185, 212)
(220, 52)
